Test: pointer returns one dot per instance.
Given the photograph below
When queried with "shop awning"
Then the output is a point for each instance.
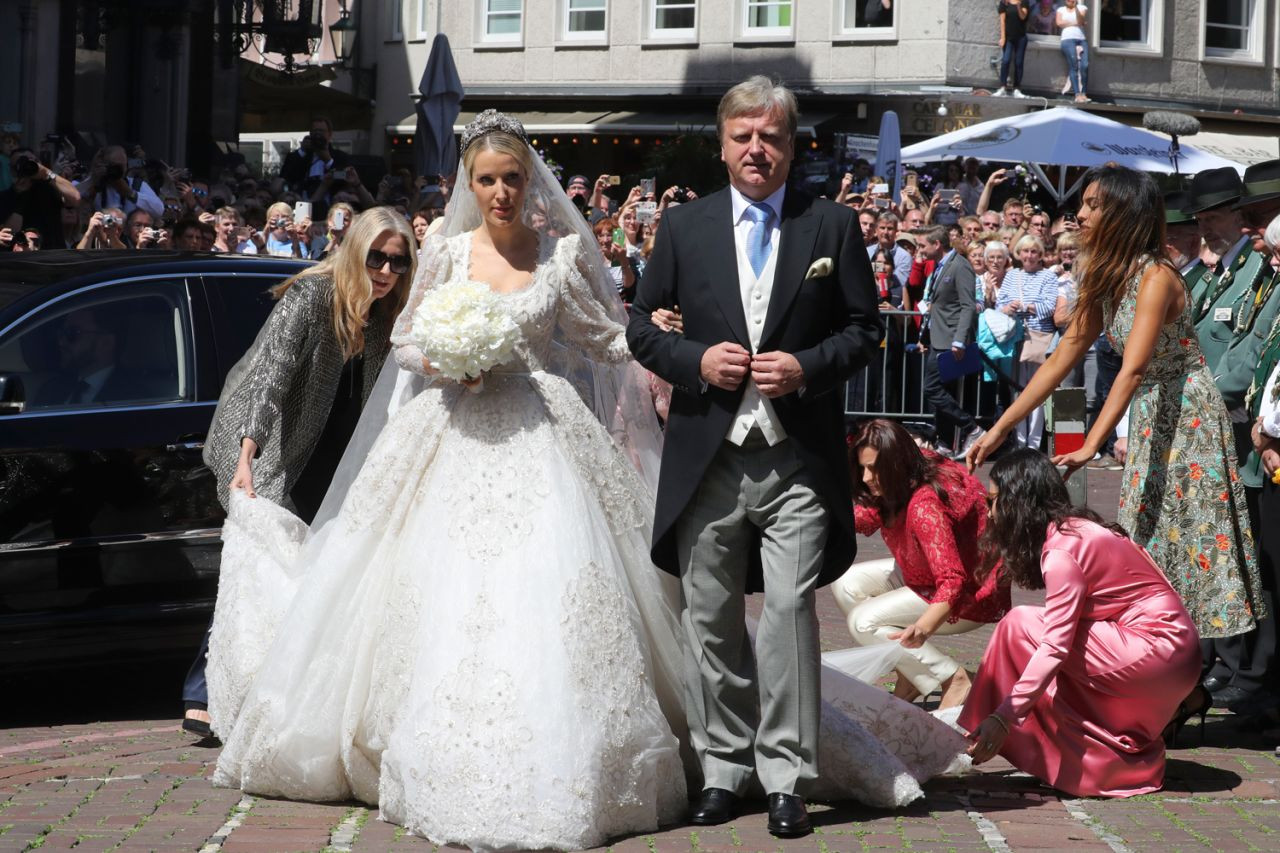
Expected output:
(1237, 146)
(613, 122)
(534, 121)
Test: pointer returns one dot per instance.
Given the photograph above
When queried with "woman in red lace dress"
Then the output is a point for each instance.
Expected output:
(931, 513)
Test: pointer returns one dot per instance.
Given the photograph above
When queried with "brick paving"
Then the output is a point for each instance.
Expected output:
(133, 781)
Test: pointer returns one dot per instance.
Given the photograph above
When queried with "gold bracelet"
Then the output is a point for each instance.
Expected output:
(994, 716)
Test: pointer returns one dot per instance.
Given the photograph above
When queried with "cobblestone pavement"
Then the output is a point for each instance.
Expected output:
(134, 781)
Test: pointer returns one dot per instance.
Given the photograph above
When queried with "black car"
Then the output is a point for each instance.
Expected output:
(110, 367)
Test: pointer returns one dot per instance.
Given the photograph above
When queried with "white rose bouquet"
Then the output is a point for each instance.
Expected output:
(463, 330)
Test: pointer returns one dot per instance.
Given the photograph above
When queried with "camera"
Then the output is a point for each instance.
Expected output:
(680, 196)
(1068, 217)
(280, 222)
(318, 140)
(114, 172)
(25, 166)
(110, 220)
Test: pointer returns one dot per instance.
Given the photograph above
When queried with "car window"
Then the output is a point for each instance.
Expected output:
(240, 306)
(122, 344)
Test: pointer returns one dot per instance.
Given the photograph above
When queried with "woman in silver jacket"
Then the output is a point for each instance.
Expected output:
(290, 405)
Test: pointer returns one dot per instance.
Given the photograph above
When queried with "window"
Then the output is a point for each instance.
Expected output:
(393, 15)
(868, 18)
(584, 20)
(501, 20)
(420, 26)
(111, 346)
(767, 18)
(1231, 30)
(1130, 24)
(673, 19)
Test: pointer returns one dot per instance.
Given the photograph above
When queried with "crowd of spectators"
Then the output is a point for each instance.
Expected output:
(123, 199)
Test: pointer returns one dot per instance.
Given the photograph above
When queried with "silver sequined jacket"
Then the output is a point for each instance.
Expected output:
(280, 393)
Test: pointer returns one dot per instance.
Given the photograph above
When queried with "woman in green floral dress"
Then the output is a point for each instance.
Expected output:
(1181, 498)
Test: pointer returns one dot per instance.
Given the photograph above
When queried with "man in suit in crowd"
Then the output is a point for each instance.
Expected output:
(952, 327)
(779, 310)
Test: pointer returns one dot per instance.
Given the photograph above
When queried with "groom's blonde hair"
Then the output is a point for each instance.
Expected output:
(755, 96)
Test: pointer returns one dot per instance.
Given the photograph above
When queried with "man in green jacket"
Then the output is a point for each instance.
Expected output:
(1229, 295)
(1258, 671)
(1184, 243)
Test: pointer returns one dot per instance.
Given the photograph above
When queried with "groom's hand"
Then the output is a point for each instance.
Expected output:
(776, 373)
(725, 365)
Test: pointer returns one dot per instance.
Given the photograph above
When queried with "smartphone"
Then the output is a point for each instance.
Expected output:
(619, 237)
(614, 180)
(947, 195)
(646, 186)
(645, 211)
(881, 202)
(912, 180)
(301, 211)
(339, 219)
(882, 189)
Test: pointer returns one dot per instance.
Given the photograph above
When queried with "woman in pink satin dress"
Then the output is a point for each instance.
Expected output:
(1078, 692)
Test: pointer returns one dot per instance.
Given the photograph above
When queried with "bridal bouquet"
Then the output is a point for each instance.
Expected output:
(463, 330)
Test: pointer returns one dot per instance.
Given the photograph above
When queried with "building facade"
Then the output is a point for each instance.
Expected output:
(638, 69)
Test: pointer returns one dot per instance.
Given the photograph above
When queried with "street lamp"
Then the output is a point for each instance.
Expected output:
(342, 33)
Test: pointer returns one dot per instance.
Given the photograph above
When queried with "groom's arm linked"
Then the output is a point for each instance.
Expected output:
(674, 357)
(841, 305)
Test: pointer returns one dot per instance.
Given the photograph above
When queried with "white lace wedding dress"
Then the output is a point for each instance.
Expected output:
(478, 641)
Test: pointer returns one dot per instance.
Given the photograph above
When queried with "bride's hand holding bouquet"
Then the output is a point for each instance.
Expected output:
(463, 331)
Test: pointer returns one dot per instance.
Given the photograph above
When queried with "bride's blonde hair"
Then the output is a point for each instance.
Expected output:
(352, 287)
(502, 143)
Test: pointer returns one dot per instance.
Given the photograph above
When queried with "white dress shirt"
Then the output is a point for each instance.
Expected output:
(1269, 407)
(755, 409)
(147, 198)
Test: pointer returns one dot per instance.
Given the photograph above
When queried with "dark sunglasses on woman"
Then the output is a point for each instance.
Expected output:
(375, 260)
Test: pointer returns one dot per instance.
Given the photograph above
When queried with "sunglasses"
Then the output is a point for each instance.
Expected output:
(375, 260)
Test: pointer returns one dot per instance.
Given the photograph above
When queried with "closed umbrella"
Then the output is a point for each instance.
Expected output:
(440, 101)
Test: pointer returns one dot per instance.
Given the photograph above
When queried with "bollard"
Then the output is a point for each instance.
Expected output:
(1066, 422)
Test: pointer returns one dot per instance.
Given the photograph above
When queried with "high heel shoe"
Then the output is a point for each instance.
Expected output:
(1198, 703)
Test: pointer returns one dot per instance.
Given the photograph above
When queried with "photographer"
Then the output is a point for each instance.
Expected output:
(36, 199)
(105, 230)
(304, 168)
(108, 186)
(232, 235)
(284, 237)
(141, 233)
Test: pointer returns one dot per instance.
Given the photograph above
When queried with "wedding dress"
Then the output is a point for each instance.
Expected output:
(472, 636)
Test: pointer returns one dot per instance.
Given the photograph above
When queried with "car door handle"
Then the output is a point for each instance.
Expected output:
(184, 445)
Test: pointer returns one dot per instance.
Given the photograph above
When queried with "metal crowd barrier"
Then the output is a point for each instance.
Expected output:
(892, 384)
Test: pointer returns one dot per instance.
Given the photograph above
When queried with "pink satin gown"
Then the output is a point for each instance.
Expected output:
(1088, 681)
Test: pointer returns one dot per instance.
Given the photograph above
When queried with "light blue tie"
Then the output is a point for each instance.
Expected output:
(759, 238)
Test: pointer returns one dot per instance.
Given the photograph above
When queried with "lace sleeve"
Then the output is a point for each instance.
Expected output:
(435, 264)
(581, 315)
(866, 519)
(936, 539)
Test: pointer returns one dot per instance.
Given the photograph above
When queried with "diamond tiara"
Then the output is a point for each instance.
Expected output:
(491, 121)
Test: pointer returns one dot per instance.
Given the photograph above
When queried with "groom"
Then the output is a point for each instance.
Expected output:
(779, 309)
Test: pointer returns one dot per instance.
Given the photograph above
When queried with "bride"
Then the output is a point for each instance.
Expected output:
(475, 638)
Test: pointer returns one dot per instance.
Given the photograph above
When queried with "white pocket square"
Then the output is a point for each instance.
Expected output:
(819, 268)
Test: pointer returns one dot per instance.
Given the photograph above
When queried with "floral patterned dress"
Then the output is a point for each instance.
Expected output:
(1182, 498)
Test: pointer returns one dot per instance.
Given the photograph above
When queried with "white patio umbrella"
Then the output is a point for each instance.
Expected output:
(1063, 136)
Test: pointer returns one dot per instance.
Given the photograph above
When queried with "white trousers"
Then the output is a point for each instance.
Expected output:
(876, 604)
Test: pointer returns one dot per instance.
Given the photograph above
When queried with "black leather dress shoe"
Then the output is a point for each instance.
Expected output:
(788, 817)
(1213, 683)
(1230, 695)
(715, 807)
